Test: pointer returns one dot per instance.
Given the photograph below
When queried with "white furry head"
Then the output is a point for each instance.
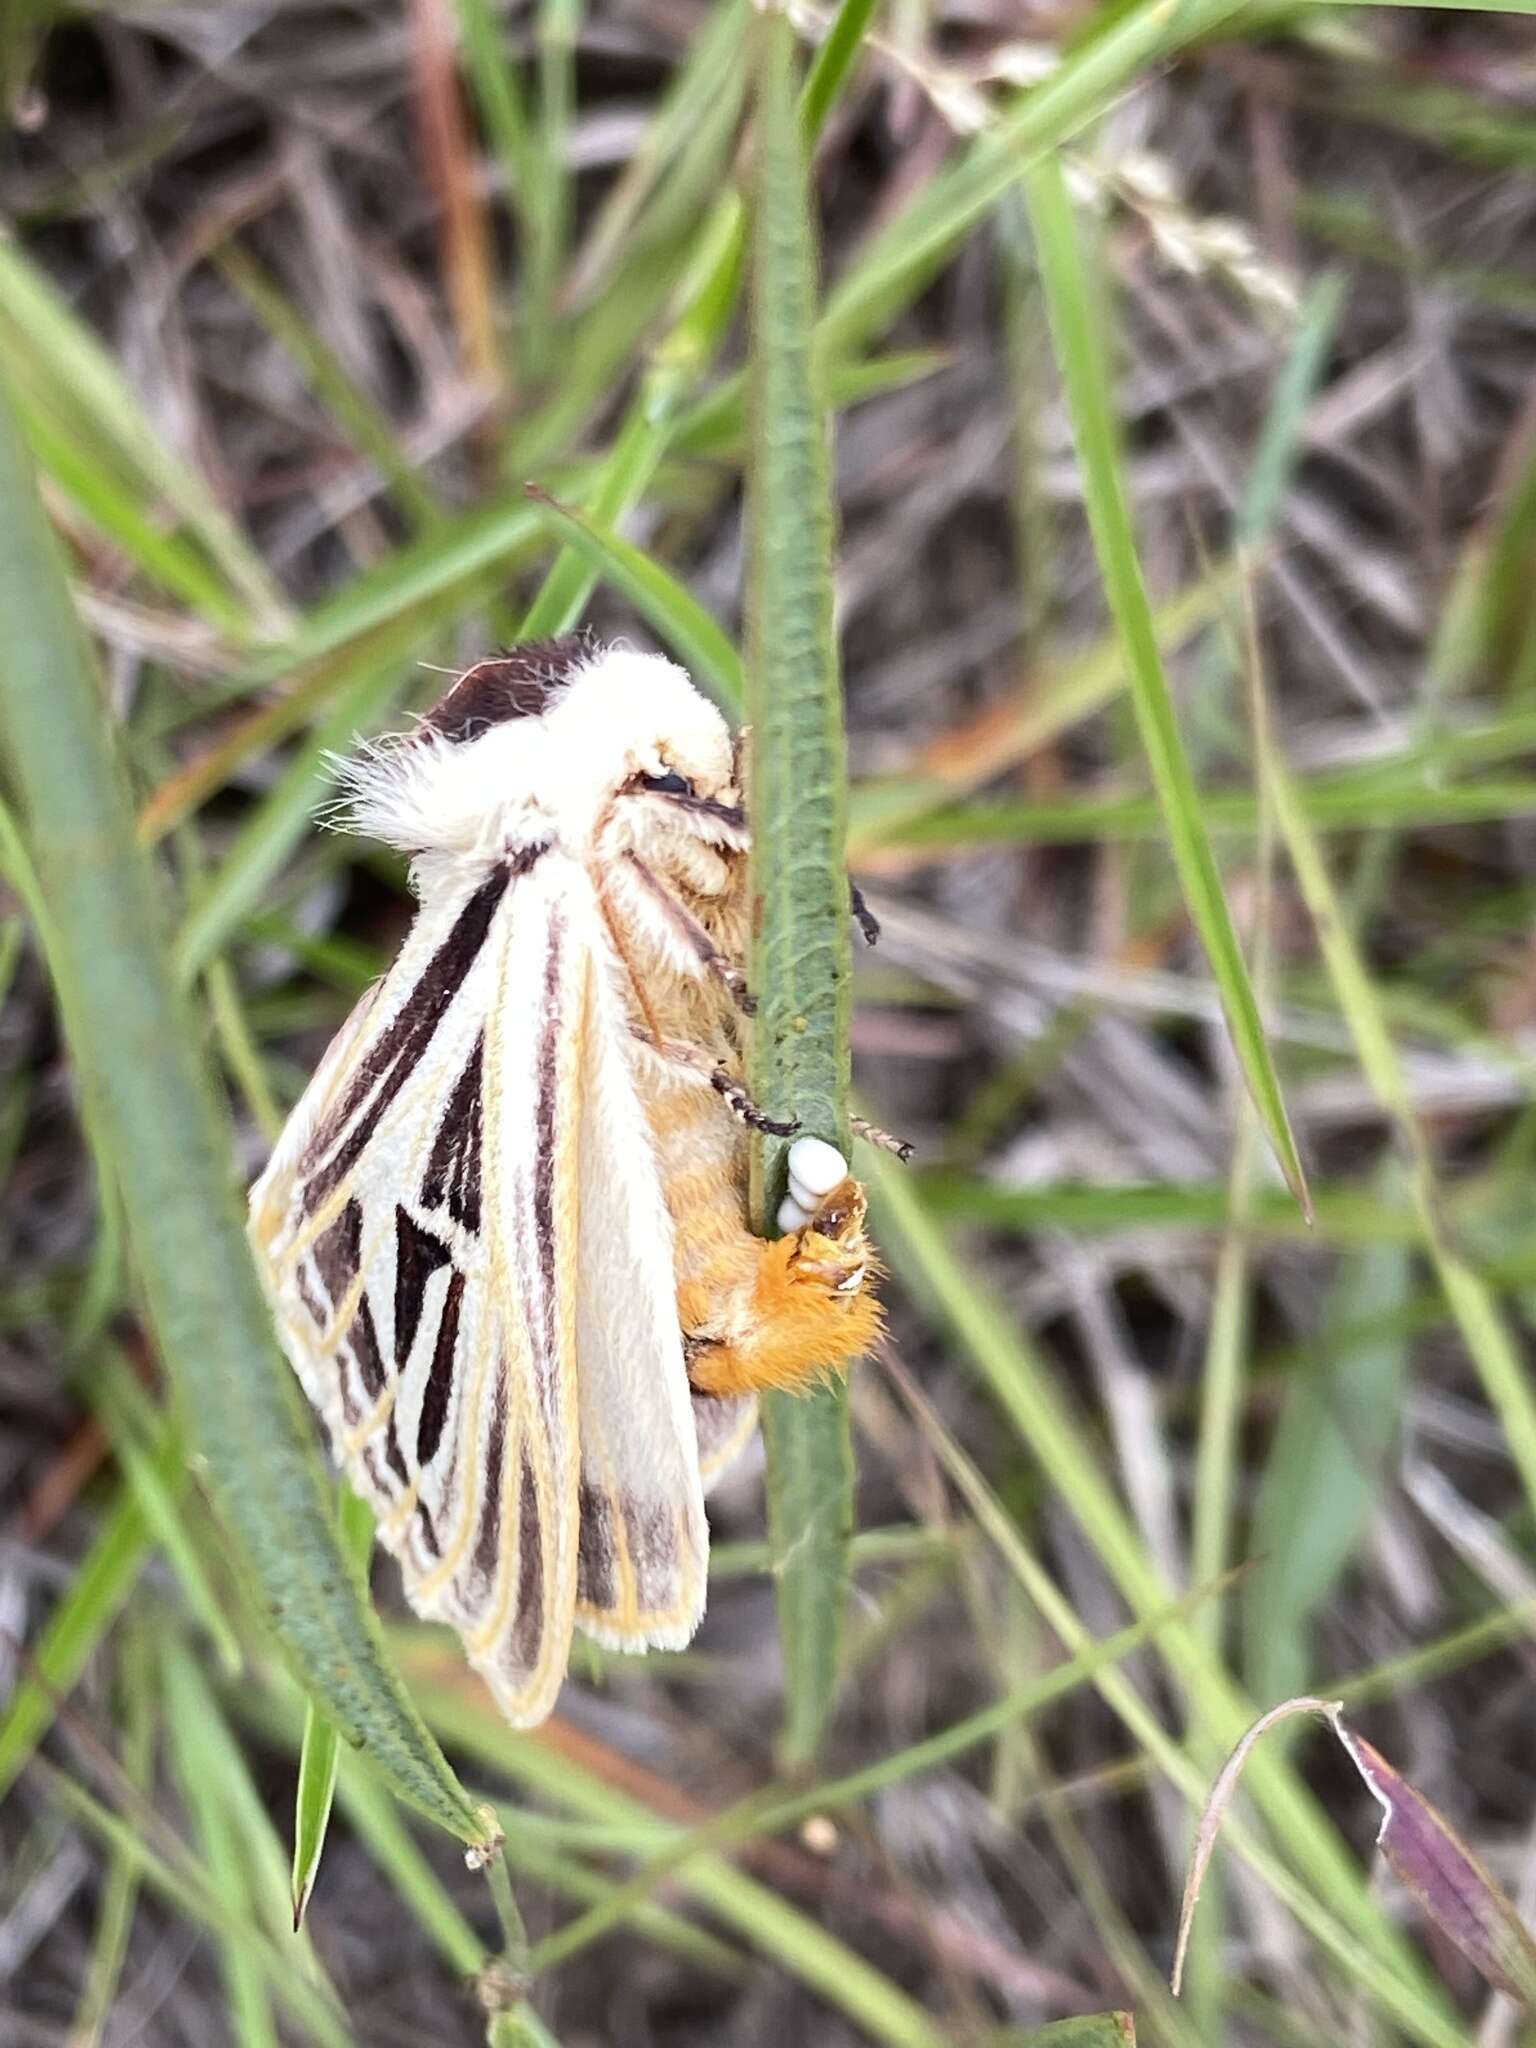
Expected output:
(595, 747)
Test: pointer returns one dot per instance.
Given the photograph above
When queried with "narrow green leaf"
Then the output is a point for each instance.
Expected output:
(133, 1425)
(801, 965)
(322, 1742)
(165, 1145)
(1504, 1373)
(675, 616)
(832, 65)
(77, 1625)
(136, 1721)
(1078, 328)
(1323, 1477)
(1103, 2030)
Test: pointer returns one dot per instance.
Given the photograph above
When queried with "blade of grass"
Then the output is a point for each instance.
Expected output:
(49, 342)
(168, 1151)
(188, 1886)
(97, 1592)
(321, 1744)
(1024, 1387)
(137, 1696)
(137, 1434)
(792, 1940)
(1078, 328)
(801, 961)
(676, 617)
(1504, 1374)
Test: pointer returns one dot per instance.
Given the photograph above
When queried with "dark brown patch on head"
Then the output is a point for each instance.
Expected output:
(525, 682)
(596, 1585)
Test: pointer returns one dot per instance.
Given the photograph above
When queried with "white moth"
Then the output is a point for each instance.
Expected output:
(504, 1233)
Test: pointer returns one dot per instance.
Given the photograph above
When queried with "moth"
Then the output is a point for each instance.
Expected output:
(505, 1231)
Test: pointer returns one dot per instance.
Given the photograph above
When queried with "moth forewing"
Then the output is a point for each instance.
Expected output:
(644, 1542)
(504, 1232)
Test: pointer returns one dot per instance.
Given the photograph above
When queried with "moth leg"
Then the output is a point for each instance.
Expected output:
(694, 936)
(714, 1073)
(783, 1313)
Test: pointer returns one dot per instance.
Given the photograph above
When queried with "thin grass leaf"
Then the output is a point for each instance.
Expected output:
(321, 1742)
(101, 1584)
(137, 1723)
(1322, 1480)
(1104, 2030)
(1078, 328)
(676, 617)
(801, 965)
(168, 1151)
(138, 1435)
(832, 65)
(269, 836)
(776, 1929)
(1333, 1902)
(1505, 1376)
(170, 1869)
(47, 342)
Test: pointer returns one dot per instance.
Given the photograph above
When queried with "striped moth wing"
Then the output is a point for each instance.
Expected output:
(463, 1237)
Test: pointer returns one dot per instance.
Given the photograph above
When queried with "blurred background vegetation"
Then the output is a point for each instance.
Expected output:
(1183, 357)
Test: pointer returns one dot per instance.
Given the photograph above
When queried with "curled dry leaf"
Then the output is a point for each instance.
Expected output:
(1445, 1877)
(1424, 1852)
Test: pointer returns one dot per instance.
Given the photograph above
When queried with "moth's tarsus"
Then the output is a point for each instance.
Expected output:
(742, 1105)
(866, 919)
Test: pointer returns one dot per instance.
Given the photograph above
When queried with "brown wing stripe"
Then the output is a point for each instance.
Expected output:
(392, 1455)
(488, 1537)
(453, 1171)
(418, 1254)
(364, 1340)
(406, 1038)
(434, 1399)
(528, 1624)
(339, 1253)
(651, 1537)
(596, 1585)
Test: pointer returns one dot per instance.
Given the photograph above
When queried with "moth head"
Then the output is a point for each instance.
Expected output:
(599, 747)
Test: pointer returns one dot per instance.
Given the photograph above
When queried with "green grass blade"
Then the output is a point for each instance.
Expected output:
(1323, 1477)
(801, 964)
(168, 1151)
(44, 338)
(77, 1625)
(832, 65)
(321, 1744)
(674, 615)
(1078, 328)
(1504, 1373)
(133, 1426)
(137, 1694)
